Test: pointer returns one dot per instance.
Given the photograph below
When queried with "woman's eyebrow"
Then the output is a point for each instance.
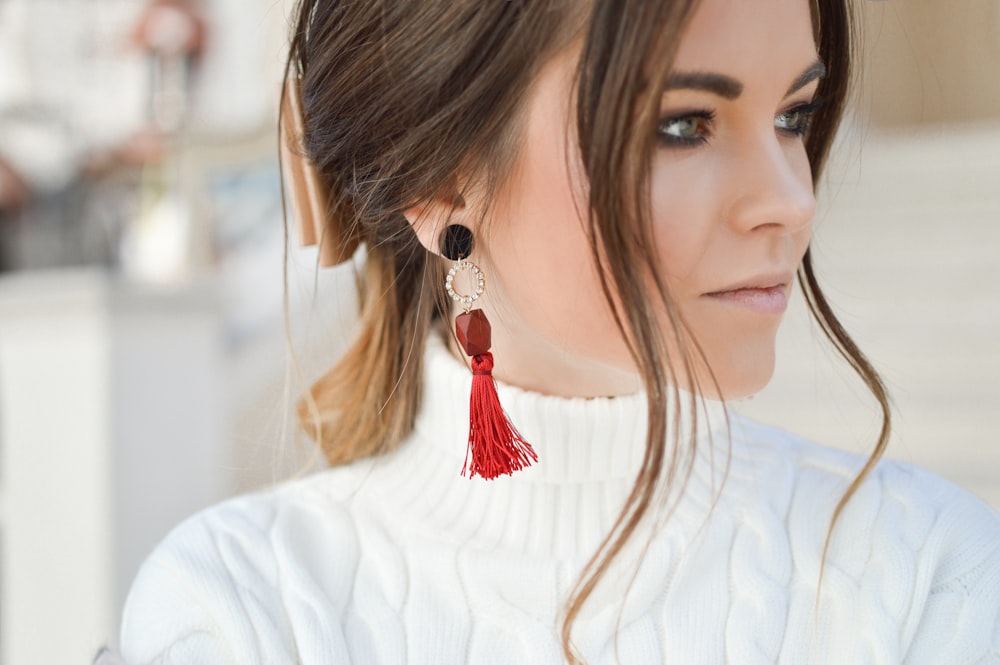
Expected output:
(719, 84)
(816, 70)
(729, 88)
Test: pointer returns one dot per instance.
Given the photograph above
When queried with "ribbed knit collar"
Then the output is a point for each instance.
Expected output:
(589, 450)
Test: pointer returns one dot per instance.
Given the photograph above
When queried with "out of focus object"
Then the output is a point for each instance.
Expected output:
(68, 93)
(171, 26)
(156, 245)
(13, 190)
(172, 32)
(108, 107)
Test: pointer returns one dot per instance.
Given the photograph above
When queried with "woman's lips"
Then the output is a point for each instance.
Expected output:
(762, 299)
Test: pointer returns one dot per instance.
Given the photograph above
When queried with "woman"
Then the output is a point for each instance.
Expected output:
(629, 185)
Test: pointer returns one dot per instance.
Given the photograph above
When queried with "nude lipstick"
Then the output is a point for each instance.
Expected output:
(765, 296)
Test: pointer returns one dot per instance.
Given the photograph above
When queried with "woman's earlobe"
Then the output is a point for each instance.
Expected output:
(432, 217)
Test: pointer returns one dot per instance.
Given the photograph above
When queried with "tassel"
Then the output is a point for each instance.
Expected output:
(496, 448)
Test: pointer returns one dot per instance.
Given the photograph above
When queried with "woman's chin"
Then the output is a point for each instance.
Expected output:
(741, 377)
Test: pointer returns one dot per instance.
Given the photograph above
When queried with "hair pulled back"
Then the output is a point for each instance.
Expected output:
(398, 97)
(401, 97)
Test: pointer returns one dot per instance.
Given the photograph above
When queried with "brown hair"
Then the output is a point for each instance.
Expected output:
(400, 96)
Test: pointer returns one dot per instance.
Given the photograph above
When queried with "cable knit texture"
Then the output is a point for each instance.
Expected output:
(401, 560)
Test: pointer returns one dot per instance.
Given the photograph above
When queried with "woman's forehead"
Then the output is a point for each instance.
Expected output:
(733, 35)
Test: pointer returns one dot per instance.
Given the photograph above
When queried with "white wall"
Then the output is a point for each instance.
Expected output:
(112, 430)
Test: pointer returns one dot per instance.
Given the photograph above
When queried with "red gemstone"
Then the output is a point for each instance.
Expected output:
(473, 332)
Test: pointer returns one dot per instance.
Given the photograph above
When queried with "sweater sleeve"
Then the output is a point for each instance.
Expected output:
(957, 619)
(209, 594)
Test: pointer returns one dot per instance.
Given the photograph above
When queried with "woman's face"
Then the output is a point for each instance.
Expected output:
(732, 206)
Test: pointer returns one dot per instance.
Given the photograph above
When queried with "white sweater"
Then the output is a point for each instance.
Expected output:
(402, 560)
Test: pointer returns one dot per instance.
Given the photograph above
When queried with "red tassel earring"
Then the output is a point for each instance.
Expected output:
(496, 448)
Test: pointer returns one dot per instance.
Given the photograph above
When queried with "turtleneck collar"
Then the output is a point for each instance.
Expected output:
(589, 452)
(577, 439)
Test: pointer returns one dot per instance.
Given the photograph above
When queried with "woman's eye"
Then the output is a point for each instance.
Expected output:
(686, 130)
(796, 121)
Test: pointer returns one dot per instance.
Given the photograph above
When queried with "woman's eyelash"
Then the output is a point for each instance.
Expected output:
(686, 130)
(694, 128)
(797, 120)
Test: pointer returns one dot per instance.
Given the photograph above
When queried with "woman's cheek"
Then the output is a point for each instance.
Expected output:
(681, 209)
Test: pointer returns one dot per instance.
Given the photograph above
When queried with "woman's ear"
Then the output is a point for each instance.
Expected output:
(430, 217)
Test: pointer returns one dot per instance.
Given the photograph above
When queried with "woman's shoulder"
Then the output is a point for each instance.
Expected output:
(908, 538)
(810, 468)
(240, 530)
(228, 584)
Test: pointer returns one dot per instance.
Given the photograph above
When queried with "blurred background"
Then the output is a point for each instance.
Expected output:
(143, 364)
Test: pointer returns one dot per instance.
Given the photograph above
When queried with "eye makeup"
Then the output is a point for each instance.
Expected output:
(690, 129)
(685, 130)
(797, 120)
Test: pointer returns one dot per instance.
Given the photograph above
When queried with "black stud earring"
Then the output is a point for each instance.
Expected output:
(457, 242)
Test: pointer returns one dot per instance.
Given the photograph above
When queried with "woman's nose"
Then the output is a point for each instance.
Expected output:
(772, 185)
